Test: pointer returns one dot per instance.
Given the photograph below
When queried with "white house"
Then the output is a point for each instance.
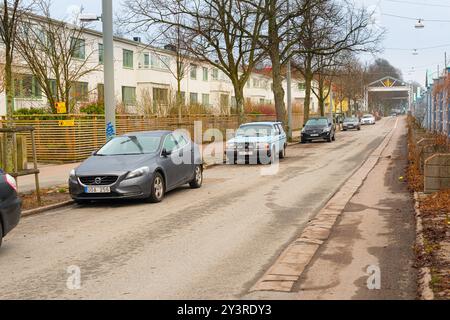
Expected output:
(143, 80)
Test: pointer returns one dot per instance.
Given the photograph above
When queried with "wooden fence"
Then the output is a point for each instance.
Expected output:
(63, 144)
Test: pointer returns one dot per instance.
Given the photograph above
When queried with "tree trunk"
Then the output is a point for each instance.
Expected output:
(179, 102)
(239, 97)
(274, 53)
(308, 84)
(9, 92)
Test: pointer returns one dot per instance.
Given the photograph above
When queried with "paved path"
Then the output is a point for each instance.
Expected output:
(209, 243)
(376, 229)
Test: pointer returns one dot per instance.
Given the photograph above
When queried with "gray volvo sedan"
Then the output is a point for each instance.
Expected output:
(142, 165)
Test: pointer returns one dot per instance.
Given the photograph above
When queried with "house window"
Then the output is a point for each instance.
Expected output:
(79, 91)
(146, 60)
(129, 96)
(193, 98)
(205, 99)
(78, 48)
(53, 89)
(100, 53)
(27, 86)
(100, 92)
(159, 61)
(215, 74)
(193, 72)
(128, 59)
(160, 97)
(301, 86)
(205, 74)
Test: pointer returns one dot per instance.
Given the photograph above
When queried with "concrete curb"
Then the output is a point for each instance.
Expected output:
(31, 212)
(289, 267)
(424, 288)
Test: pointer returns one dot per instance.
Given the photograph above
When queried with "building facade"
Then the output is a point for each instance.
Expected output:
(145, 81)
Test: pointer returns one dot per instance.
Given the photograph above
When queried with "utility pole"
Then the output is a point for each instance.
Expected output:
(108, 45)
(289, 83)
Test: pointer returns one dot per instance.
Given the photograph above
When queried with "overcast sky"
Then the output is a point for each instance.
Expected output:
(400, 40)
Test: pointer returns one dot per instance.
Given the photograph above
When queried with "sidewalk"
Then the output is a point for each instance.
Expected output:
(377, 230)
(50, 176)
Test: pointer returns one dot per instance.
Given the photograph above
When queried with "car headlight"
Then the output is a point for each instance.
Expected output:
(73, 174)
(138, 173)
(262, 146)
(326, 130)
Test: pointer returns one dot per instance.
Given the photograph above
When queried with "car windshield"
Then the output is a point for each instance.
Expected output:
(254, 131)
(351, 120)
(131, 145)
(367, 116)
(317, 123)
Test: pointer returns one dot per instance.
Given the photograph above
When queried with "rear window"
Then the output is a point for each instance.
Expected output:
(254, 131)
(317, 122)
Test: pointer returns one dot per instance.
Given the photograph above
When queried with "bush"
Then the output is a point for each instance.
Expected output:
(31, 111)
(93, 108)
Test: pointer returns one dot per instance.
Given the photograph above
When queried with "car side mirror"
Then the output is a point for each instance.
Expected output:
(94, 153)
(166, 153)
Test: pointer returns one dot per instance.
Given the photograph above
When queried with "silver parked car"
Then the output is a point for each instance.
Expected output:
(368, 119)
(142, 165)
(351, 124)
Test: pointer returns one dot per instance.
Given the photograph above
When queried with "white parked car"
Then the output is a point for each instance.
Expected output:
(368, 119)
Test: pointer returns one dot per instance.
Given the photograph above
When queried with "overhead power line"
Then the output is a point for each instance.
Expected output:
(423, 48)
(414, 19)
(420, 3)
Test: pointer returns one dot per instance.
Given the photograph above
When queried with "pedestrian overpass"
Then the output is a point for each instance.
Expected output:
(389, 84)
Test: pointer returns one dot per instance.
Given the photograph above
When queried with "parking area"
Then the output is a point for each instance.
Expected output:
(213, 242)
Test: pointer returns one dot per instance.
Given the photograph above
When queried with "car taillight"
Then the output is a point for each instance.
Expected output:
(11, 181)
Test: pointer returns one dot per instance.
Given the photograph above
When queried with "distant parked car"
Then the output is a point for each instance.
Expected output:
(142, 165)
(368, 119)
(257, 142)
(351, 124)
(318, 129)
(10, 205)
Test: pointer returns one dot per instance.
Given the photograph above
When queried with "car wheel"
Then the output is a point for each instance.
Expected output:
(158, 189)
(283, 153)
(303, 141)
(198, 178)
(359, 129)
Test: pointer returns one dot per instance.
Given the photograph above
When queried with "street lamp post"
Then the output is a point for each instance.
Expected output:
(108, 64)
(108, 67)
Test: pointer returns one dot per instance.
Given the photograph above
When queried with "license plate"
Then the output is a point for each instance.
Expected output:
(314, 135)
(97, 189)
(246, 153)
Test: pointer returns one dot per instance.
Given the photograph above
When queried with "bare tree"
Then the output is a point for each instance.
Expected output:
(224, 33)
(10, 13)
(330, 28)
(56, 54)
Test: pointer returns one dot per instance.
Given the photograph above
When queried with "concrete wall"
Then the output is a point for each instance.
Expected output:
(437, 173)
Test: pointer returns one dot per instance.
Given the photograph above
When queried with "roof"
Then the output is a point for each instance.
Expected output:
(148, 133)
(266, 123)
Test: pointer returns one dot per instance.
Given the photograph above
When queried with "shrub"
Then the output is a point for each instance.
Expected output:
(93, 108)
(31, 111)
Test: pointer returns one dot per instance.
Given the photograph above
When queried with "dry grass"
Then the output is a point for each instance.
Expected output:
(48, 197)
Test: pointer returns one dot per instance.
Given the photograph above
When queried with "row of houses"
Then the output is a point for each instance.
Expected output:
(433, 108)
(145, 81)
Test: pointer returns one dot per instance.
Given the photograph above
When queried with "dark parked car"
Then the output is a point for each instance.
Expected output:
(318, 129)
(142, 165)
(10, 205)
(351, 124)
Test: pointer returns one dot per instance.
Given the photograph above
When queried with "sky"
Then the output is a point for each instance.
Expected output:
(400, 41)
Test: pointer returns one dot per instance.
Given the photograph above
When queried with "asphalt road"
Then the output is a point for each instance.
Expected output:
(212, 243)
